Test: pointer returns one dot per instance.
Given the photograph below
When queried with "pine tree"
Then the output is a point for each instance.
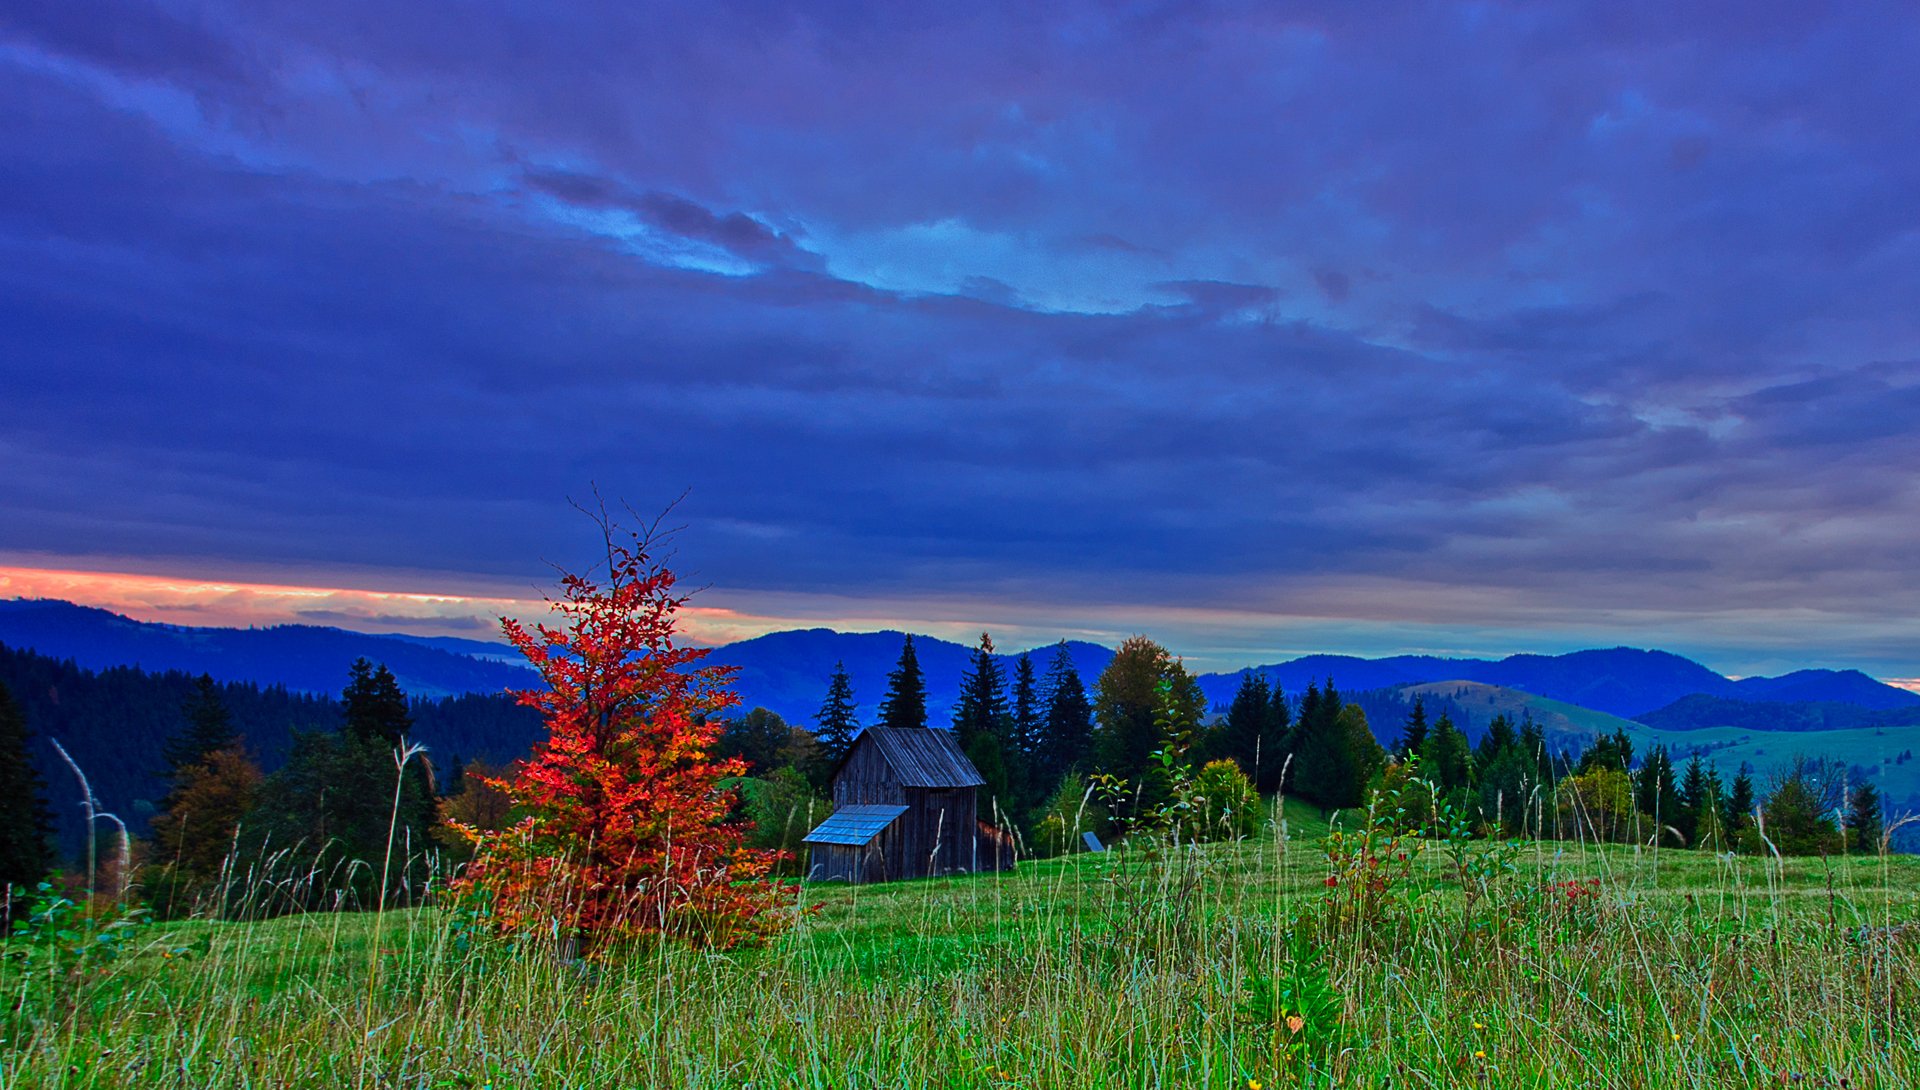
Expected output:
(25, 823)
(1533, 743)
(1739, 813)
(374, 705)
(1613, 752)
(1654, 792)
(1864, 819)
(1275, 743)
(1069, 717)
(836, 720)
(983, 725)
(1446, 760)
(1499, 738)
(1029, 736)
(1695, 818)
(1246, 723)
(905, 704)
(1413, 733)
(208, 729)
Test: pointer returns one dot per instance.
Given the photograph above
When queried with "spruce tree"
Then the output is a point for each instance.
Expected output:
(983, 725)
(1275, 743)
(1029, 736)
(905, 704)
(1246, 723)
(837, 722)
(1499, 738)
(1413, 733)
(1864, 819)
(1740, 800)
(208, 729)
(1654, 792)
(1446, 759)
(1069, 717)
(26, 826)
(1697, 804)
(374, 705)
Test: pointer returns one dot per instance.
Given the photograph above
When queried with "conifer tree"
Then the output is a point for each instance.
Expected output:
(1069, 717)
(1275, 743)
(1446, 759)
(374, 705)
(905, 704)
(1413, 734)
(1864, 819)
(983, 725)
(1499, 738)
(25, 823)
(1740, 800)
(1655, 794)
(1695, 818)
(208, 729)
(1246, 723)
(1613, 752)
(836, 719)
(1029, 736)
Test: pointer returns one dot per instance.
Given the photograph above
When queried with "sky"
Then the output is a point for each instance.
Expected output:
(1262, 329)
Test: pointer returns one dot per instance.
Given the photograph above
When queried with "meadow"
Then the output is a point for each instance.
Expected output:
(1304, 956)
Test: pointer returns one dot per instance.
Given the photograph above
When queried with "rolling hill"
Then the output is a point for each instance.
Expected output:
(304, 658)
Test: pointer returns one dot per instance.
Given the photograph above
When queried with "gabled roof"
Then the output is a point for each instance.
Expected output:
(923, 756)
(854, 825)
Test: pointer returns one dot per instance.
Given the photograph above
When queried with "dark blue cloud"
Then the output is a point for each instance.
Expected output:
(1476, 316)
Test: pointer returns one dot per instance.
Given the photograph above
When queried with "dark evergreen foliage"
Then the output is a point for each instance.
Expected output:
(1740, 801)
(373, 704)
(25, 824)
(1865, 823)
(905, 704)
(838, 723)
(984, 726)
(116, 723)
(1413, 733)
(1069, 718)
(208, 729)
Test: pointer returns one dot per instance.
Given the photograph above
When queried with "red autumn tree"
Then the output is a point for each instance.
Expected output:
(627, 829)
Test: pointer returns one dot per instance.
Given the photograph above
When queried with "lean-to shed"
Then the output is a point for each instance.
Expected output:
(906, 805)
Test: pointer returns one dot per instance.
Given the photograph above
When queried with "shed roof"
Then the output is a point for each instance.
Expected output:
(854, 825)
(923, 756)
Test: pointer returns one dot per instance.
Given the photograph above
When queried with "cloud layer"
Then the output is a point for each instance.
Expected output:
(1463, 328)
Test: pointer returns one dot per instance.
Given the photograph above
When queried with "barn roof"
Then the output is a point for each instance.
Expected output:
(854, 825)
(924, 756)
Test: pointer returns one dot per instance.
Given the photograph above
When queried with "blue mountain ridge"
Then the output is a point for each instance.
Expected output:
(787, 672)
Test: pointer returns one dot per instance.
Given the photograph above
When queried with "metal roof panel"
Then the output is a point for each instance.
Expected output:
(854, 825)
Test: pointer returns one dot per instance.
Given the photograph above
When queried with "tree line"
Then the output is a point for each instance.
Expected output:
(1041, 738)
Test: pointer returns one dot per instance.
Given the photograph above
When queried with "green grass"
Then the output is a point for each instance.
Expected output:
(1872, 748)
(1127, 969)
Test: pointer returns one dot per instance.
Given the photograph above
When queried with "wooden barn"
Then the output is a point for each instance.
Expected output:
(906, 805)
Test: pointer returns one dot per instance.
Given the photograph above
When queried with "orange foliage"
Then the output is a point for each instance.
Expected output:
(628, 830)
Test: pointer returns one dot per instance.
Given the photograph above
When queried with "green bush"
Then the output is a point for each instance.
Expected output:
(1222, 804)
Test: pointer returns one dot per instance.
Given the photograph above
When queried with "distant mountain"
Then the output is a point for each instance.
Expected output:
(1824, 687)
(304, 658)
(1621, 681)
(787, 672)
(1702, 712)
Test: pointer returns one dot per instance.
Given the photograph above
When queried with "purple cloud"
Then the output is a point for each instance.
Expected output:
(1482, 317)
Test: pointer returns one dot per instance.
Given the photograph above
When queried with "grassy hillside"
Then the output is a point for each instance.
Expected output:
(1225, 966)
(1876, 750)
(1567, 724)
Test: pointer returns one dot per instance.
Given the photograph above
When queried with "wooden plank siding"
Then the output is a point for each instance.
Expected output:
(941, 831)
